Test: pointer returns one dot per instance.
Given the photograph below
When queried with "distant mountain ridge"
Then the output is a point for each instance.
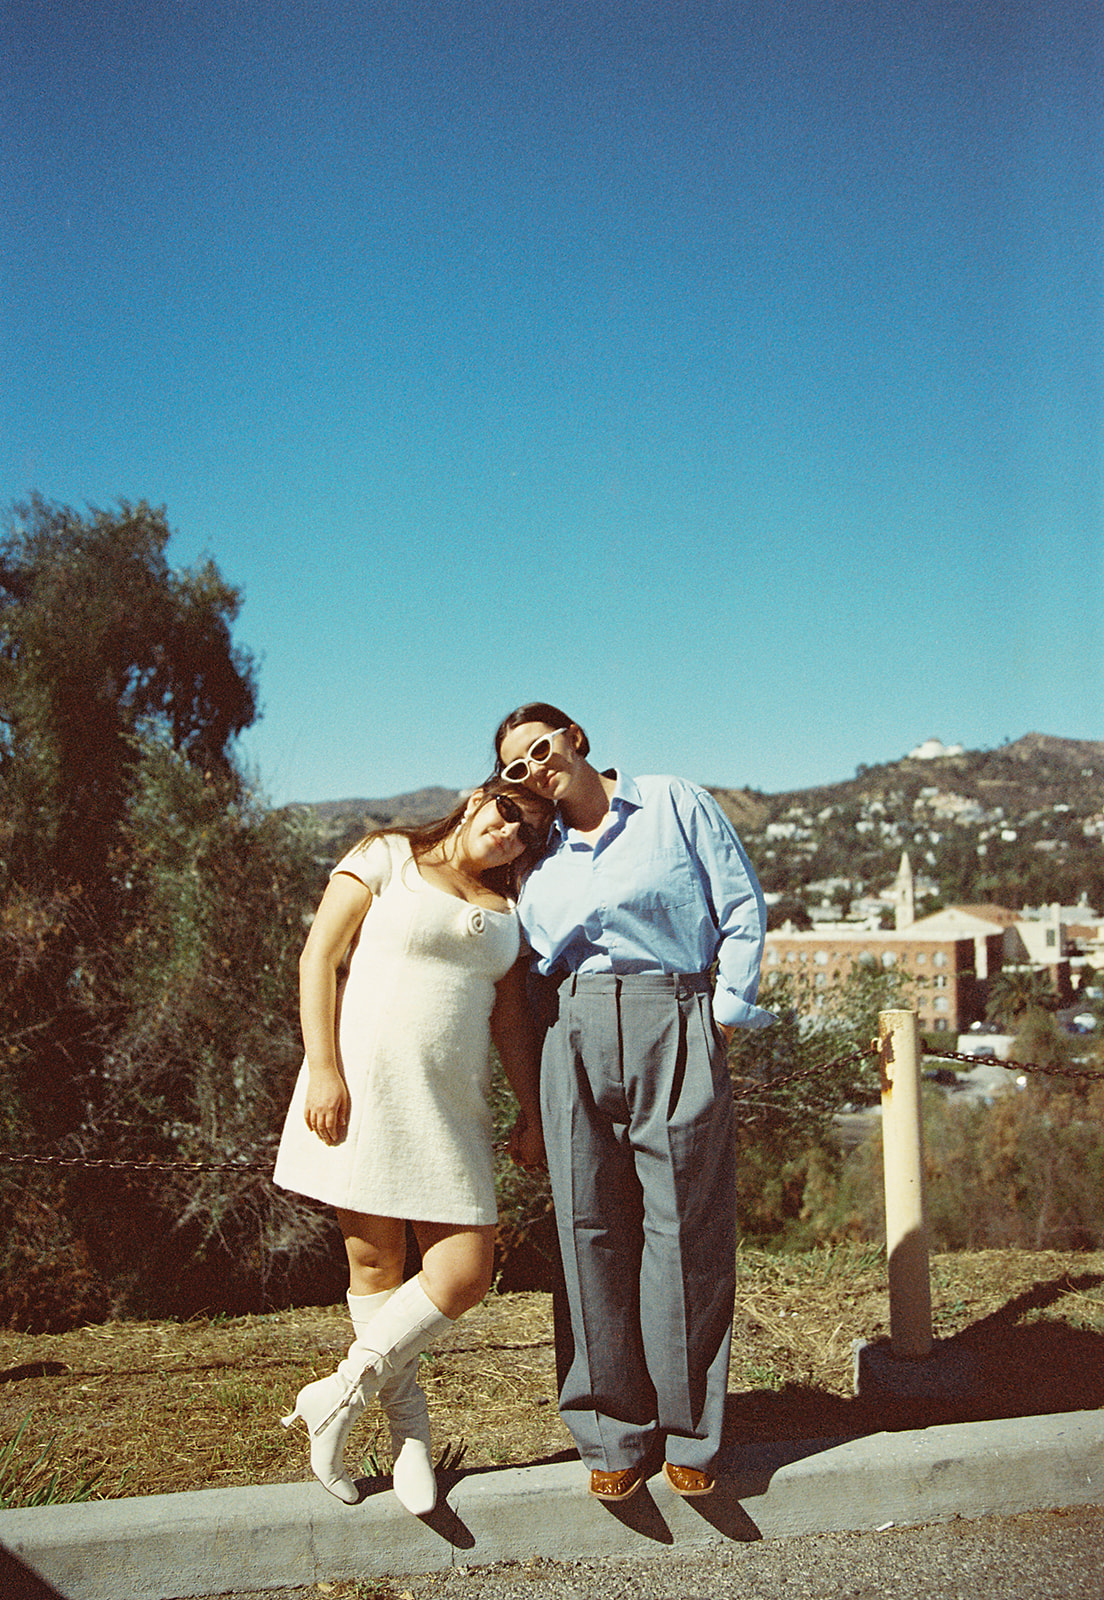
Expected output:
(1025, 773)
(1019, 825)
(1037, 769)
(1033, 744)
(419, 805)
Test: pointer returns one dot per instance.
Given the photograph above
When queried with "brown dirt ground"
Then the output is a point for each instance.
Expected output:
(157, 1407)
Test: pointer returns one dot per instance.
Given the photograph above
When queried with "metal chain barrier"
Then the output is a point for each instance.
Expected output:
(938, 1055)
(1018, 1066)
(749, 1091)
(112, 1165)
(805, 1072)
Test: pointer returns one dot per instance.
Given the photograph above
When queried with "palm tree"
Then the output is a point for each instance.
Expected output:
(1018, 990)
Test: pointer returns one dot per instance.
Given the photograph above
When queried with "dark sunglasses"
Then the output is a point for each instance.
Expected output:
(532, 834)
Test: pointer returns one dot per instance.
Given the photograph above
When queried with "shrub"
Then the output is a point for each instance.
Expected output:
(1024, 1173)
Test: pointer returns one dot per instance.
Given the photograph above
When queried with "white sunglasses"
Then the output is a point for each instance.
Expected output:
(538, 752)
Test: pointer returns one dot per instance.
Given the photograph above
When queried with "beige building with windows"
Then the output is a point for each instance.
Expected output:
(951, 956)
(1037, 942)
(949, 991)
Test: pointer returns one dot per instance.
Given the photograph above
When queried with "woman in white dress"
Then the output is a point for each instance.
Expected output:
(389, 1120)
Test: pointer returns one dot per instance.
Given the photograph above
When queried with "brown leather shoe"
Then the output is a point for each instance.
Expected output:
(688, 1480)
(616, 1485)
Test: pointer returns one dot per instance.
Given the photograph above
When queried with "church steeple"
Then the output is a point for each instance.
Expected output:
(904, 895)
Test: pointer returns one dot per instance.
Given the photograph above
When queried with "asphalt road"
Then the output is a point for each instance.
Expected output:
(1040, 1555)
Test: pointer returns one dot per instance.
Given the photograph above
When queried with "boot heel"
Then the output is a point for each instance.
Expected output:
(316, 1405)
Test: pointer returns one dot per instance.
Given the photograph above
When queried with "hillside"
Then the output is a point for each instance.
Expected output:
(1021, 825)
(1037, 771)
(341, 823)
(146, 1408)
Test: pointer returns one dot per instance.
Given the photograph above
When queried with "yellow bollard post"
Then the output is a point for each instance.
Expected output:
(910, 1323)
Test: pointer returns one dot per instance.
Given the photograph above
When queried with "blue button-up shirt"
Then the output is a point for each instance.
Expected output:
(666, 888)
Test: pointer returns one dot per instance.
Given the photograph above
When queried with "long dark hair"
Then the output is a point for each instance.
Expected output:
(504, 880)
(536, 711)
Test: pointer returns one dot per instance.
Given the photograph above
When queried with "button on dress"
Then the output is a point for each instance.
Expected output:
(413, 1037)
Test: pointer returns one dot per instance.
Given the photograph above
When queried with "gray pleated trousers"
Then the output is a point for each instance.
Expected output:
(638, 1125)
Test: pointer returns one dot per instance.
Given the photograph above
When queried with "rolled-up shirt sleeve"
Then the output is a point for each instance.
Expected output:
(739, 914)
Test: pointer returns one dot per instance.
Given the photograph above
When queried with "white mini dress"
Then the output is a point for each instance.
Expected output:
(413, 1038)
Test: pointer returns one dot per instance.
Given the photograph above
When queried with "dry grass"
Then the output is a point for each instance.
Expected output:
(150, 1408)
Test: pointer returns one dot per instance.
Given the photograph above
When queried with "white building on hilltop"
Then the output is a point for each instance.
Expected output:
(932, 749)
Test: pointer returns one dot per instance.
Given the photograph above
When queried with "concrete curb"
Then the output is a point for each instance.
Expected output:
(162, 1547)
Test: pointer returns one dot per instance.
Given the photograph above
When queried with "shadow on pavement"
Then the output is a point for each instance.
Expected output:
(18, 1582)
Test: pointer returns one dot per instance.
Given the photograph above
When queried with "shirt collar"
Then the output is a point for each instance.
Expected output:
(625, 797)
(625, 792)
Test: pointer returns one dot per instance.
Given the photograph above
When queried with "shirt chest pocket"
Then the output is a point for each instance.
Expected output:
(667, 881)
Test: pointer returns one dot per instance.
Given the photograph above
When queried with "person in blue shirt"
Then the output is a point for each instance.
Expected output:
(646, 923)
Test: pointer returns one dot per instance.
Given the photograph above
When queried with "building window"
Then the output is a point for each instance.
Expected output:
(939, 959)
(889, 958)
(941, 1003)
(821, 958)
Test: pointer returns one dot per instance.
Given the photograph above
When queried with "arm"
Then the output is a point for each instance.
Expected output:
(515, 1039)
(341, 912)
(740, 916)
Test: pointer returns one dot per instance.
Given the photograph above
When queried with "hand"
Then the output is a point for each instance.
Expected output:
(327, 1108)
(726, 1031)
(526, 1143)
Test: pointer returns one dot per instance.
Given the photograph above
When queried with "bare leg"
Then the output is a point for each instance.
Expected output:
(376, 1248)
(457, 1264)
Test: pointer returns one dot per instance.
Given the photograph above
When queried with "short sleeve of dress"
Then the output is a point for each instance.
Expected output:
(372, 863)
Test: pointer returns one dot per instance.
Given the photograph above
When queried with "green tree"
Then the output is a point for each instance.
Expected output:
(1025, 1173)
(1040, 1042)
(790, 1080)
(150, 921)
(790, 908)
(206, 1044)
(103, 651)
(1018, 990)
(101, 643)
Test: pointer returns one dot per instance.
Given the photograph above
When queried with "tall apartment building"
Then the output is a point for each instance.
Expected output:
(949, 972)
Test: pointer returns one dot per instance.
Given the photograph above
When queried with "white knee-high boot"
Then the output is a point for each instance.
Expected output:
(396, 1335)
(407, 1413)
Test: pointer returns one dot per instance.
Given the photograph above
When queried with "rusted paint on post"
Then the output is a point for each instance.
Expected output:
(910, 1322)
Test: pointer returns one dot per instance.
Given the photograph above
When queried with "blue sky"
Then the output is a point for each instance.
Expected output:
(730, 374)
